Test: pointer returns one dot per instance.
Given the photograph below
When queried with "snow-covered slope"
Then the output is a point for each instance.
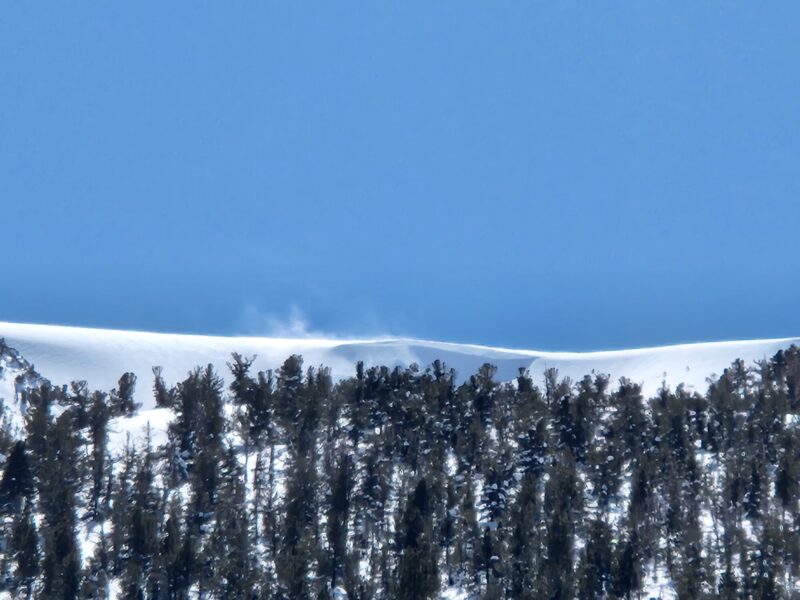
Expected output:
(100, 356)
(64, 354)
(16, 374)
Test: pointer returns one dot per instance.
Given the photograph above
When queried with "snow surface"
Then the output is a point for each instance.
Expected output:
(100, 356)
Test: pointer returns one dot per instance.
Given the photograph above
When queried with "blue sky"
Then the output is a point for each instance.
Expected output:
(555, 175)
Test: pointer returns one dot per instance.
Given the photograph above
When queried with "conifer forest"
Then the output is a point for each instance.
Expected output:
(406, 484)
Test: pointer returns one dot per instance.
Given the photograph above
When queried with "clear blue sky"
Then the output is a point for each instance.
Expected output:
(558, 175)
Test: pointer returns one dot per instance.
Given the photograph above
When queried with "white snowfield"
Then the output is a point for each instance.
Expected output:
(100, 356)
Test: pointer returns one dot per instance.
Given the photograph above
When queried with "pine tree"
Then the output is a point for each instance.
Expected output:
(164, 397)
(227, 568)
(122, 397)
(142, 531)
(58, 481)
(78, 401)
(561, 494)
(297, 552)
(98, 431)
(525, 547)
(629, 566)
(121, 501)
(299, 543)
(595, 572)
(174, 560)
(24, 548)
(17, 481)
(206, 446)
(341, 487)
(418, 577)
(484, 389)
(39, 401)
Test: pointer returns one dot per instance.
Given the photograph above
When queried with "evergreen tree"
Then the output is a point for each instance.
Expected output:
(24, 549)
(164, 397)
(17, 481)
(595, 572)
(526, 550)
(561, 494)
(98, 432)
(299, 550)
(395, 481)
(226, 560)
(142, 532)
(121, 501)
(122, 397)
(418, 577)
(58, 484)
(341, 488)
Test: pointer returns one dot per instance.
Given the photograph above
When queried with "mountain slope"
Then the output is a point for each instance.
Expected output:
(30, 353)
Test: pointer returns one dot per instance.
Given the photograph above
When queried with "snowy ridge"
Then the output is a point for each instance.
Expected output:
(100, 356)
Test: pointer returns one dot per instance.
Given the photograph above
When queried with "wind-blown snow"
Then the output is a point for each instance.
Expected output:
(100, 356)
